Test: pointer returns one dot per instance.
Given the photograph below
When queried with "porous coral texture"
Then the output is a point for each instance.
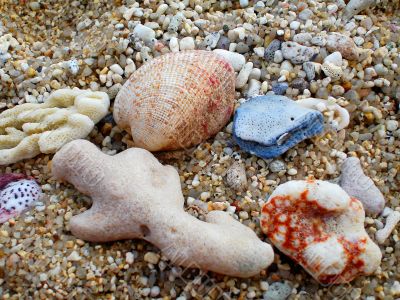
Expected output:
(30, 129)
(318, 225)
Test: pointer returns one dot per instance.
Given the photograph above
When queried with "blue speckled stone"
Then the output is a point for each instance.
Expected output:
(268, 126)
(279, 88)
(269, 52)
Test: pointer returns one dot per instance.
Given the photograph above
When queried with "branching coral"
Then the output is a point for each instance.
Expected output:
(134, 196)
(30, 129)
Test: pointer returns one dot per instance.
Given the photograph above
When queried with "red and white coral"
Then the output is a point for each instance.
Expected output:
(321, 227)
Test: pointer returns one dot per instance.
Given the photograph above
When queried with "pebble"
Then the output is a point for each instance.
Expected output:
(319, 40)
(294, 25)
(144, 33)
(344, 44)
(335, 58)
(74, 256)
(270, 50)
(392, 125)
(130, 258)
(152, 258)
(117, 69)
(278, 291)
(235, 59)
(212, 39)
(309, 68)
(242, 48)
(303, 38)
(297, 53)
(187, 43)
(243, 75)
(278, 56)
(244, 3)
(223, 43)
(306, 14)
(73, 66)
(174, 45)
(300, 83)
(279, 88)
(276, 166)
(332, 71)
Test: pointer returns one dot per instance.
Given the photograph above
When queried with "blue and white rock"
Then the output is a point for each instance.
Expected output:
(297, 53)
(309, 69)
(279, 88)
(274, 46)
(303, 38)
(268, 126)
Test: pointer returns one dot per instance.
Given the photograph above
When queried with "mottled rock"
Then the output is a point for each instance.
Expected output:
(274, 46)
(279, 88)
(344, 44)
(297, 53)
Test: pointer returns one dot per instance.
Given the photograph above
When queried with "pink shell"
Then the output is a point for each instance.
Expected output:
(177, 100)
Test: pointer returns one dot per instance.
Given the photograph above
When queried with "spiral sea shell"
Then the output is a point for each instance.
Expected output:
(177, 100)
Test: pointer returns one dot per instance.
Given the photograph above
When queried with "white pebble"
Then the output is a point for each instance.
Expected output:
(237, 60)
(392, 125)
(243, 76)
(116, 68)
(174, 45)
(187, 43)
(129, 258)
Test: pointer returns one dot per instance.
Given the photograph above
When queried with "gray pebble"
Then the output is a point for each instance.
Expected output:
(223, 43)
(306, 14)
(278, 291)
(242, 48)
(277, 166)
(309, 68)
(279, 88)
(269, 52)
(300, 84)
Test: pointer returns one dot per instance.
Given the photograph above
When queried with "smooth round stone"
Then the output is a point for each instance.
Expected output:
(242, 48)
(334, 58)
(244, 3)
(305, 14)
(223, 43)
(277, 166)
(277, 291)
(278, 57)
(300, 84)
(392, 125)
(294, 25)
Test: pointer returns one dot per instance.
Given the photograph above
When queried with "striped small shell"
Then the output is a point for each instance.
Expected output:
(177, 100)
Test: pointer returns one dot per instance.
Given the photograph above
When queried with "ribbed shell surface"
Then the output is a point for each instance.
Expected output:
(177, 100)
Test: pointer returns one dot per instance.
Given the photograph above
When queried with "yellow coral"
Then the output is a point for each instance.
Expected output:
(30, 129)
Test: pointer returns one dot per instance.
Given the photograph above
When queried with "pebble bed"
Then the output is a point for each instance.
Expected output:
(48, 45)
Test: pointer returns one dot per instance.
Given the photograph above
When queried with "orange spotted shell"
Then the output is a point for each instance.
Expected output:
(176, 100)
